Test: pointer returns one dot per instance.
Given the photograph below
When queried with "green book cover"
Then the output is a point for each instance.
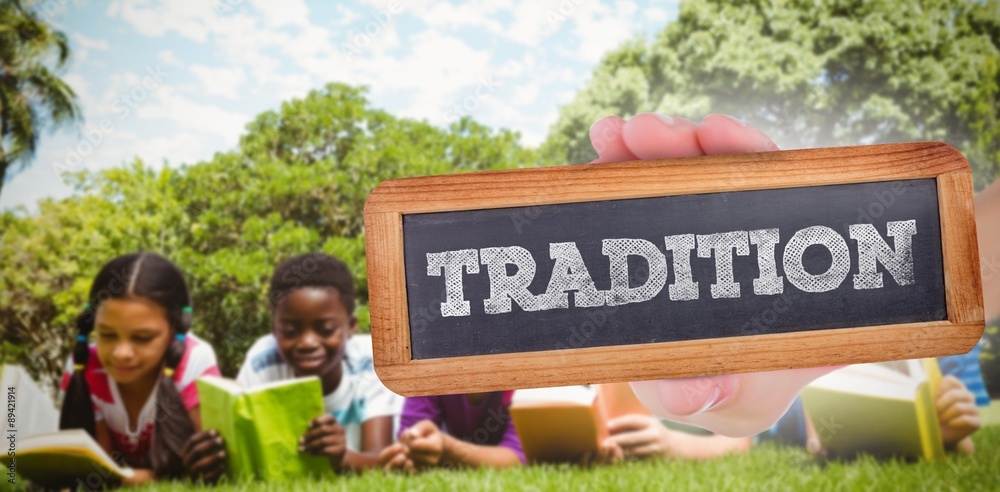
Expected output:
(262, 425)
(881, 409)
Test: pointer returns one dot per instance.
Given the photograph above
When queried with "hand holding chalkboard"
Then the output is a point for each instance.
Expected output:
(737, 404)
(673, 268)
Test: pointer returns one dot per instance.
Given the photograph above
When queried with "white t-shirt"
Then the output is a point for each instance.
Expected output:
(359, 397)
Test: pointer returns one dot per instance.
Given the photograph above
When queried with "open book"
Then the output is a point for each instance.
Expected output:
(565, 423)
(262, 425)
(65, 459)
(34, 411)
(883, 409)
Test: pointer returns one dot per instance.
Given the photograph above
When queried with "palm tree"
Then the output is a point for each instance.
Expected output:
(32, 97)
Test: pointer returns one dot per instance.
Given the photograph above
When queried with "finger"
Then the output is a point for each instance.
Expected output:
(204, 448)
(210, 463)
(948, 383)
(606, 138)
(390, 452)
(813, 445)
(631, 439)
(324, 430)
(630, 422)
(196, 439)
(322, 421)
(644, 451)
(423, 447)
(957, 410)
(968, 422)
(319, 445)
(213, 475)
(723, 134)
(952, 397)
(396, 462)
(656, 136)
(421, 429)
(610, 453)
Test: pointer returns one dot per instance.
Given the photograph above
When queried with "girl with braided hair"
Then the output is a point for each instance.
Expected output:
(133, 390)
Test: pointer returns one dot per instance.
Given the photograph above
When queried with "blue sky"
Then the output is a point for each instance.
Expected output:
(175, 81)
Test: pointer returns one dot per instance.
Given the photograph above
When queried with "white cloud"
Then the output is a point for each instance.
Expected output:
(614, 23)
(345, 15)
(89, 43)
(219, 81)
(656, 15)
(437, 73)
(191, 19)
(535, 21)
(180, 148)
(283, 13)
(526, 94)
(188, 115)
(469, 14)
(168, 57)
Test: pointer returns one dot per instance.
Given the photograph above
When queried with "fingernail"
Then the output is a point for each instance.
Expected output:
(738, 121)
(222, 454)
(667, 120)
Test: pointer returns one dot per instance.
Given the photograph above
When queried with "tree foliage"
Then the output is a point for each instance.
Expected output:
(32, 96)
(296, 183)
(812, 74)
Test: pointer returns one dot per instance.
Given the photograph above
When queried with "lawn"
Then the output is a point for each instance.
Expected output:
(767, 468)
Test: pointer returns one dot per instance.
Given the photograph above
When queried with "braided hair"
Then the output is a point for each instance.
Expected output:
(153, 277)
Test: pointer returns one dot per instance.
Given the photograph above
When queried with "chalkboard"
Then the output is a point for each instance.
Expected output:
(757, 262)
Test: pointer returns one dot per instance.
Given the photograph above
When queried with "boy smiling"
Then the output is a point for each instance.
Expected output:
(312, 324)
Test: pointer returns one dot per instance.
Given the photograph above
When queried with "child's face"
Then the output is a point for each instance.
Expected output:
(132, 337)
(312, 327)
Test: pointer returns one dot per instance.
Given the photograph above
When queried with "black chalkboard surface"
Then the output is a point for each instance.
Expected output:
(672, 268)
(660, 319)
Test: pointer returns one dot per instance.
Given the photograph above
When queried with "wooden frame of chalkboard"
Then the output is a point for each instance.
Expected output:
(394, 200)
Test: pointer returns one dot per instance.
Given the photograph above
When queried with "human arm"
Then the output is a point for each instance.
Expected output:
(376, 435)
(102, 435)
(643, 437)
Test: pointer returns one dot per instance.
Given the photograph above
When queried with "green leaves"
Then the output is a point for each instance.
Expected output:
(812, 74)
(32, 96)
(297, 183)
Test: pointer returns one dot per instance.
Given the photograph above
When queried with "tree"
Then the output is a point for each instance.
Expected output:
(297, 183)
(32, 96)
(812, 74)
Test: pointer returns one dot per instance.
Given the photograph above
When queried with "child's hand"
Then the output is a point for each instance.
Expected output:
(639, 436)
(425, 443)
(733, 405)
(325, 438)
(957, 414)
(205, 456)
(396, 457)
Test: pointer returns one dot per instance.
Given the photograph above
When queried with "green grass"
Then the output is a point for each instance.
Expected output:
(765, 468)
